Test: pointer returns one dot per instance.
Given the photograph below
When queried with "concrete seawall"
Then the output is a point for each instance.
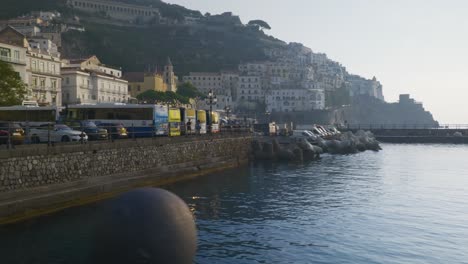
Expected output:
(38, 179)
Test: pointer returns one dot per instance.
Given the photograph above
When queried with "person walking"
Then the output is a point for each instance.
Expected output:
(189, 127)
(198, 127)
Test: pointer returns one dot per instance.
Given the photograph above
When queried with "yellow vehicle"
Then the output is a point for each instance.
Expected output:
(174, 122)
(215, 122)
(200, 126)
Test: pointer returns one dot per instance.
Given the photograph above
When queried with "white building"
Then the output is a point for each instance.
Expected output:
(221, 84)
(13, 48)
(38, 68)
(360, 86)
(249, 88)
(89, 81)
(294, 99)
(45, 81)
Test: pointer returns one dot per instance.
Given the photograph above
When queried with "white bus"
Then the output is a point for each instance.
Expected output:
(140, 120)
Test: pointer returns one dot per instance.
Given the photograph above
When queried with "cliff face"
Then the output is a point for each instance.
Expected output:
(365, 110)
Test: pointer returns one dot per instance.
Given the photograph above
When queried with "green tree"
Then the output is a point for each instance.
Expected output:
(12, 88)
(188, 90)
(259, 24)
(162, 97)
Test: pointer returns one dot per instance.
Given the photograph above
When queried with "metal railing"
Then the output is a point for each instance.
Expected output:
(405, 126)
(13, 134)
(12, 60)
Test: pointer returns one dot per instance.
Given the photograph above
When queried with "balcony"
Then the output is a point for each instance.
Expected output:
(46, 72)
(12, 60)
(85, 86)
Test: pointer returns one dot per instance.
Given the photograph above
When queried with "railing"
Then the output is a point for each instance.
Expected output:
(12, 60)
(40, 71)
(14, 134)
(404, 126)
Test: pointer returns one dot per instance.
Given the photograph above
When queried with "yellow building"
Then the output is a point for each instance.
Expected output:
(139, 82)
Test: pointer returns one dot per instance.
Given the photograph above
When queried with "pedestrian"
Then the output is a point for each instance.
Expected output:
(198, 127)
(189, 127)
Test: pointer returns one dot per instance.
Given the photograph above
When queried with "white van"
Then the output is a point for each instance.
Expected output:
(304, 134)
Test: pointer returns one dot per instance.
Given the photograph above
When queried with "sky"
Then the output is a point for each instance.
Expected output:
(418, 47)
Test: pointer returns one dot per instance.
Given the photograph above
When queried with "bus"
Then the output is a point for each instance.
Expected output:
(188, 114)
(214, 121)
(174, 122)
(29, 114)
(140, 120)
(201, 121)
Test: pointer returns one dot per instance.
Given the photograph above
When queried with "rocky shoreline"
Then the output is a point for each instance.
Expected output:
(289, 149)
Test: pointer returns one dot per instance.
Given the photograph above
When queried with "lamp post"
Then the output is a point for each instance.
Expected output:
(211, 100)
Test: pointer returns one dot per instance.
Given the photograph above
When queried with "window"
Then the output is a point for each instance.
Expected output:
(34, 81)
(43, 80)
(4, 52)
(33, 65)
(53, 83)
(17, 55)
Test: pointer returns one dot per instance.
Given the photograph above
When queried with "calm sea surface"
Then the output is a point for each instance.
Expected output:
(405, 204)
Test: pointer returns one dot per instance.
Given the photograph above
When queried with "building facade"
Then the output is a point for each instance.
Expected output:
(140, 82)
(36, 62)
(118, 10)
(294, 100)
(13, 50)
(89, 81)
(222, 84)
(45, 81)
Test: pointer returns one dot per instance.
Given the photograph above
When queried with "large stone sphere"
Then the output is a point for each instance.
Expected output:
(146, 225)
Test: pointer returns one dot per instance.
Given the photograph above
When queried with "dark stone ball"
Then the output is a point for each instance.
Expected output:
(147, 225)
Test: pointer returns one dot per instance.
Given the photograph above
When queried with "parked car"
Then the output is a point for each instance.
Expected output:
(116, 130)
(57, 133)
(90, 128)
(12, 130)
(304, 134)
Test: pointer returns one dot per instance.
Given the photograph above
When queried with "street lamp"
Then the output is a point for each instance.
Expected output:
(211, 100)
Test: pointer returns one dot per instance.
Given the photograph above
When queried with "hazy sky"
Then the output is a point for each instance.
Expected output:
(412, 46)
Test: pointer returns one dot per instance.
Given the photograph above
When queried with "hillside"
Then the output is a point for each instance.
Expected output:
(190, 48)
(207, 46)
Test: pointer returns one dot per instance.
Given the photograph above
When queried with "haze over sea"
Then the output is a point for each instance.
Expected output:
(405, 204)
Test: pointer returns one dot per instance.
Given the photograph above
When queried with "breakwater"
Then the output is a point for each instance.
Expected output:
(418, 135)
(302, 149)
(38, 179)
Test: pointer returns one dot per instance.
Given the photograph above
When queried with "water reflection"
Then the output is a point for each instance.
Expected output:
(406, 204)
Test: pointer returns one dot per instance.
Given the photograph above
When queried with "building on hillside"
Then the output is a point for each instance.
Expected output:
(221, 84)
(118, 10)
(140, 82)
(294, 99)
(249, 88)
(45, 81)
(37, 66)
(46, 16)
(361, 86)
(13, 50)
(89, 81)
(44, 44)
(29, 31)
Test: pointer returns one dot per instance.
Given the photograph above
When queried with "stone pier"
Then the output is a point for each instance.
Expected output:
(37, 179)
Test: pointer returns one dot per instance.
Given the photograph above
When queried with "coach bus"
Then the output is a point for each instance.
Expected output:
(140, 120)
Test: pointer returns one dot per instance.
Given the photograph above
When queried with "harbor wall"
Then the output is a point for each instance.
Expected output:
(39, 178)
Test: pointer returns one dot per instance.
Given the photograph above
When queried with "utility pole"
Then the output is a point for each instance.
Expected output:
(211, 100)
